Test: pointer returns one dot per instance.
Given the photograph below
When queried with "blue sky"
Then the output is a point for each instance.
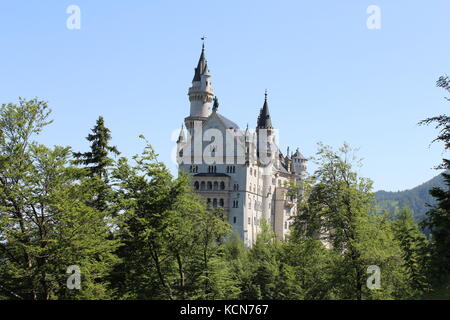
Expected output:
(329, 77)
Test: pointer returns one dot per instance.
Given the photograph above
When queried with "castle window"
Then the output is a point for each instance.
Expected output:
(216, 185)
(236, 187)
(249, 220)
(215, 203)
(203, 185)
(196, 185)
(221, 203)
(208, 202)
(209, 185)
(212, 169)
(234, 219)
(222, 186)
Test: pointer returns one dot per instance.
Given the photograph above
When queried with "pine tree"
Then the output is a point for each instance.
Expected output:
(414, 249)
(438, 217)
(98, 162)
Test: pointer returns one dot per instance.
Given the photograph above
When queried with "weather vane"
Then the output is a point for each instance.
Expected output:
(203, 39)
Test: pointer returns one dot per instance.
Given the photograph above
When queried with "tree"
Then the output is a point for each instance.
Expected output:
(313, 266)
(171, 241)
(414, 249)
(438, 217)
(339, 212)
(45, 225)
(98, 162)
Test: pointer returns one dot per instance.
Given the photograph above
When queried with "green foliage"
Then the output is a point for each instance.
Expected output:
(338, 209)
(98, 163)
(137, 232)
(414, 249)
(172, 243)
(45, 225)
(438, 217)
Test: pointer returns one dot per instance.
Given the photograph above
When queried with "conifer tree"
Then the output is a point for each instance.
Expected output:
(414, 249)
(438, 217)
(98, 162)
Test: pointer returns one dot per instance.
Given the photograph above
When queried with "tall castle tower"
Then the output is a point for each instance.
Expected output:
(201, 94)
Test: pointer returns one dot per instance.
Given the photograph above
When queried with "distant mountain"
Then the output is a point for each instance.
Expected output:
(416, 199)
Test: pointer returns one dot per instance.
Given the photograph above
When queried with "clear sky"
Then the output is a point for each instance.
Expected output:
(329, 77)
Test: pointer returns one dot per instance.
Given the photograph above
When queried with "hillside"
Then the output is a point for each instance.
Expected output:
(416, 198)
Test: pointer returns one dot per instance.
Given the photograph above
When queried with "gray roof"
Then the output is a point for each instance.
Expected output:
(228, 123)
(298, 155)
(264, 121)
(200, 66)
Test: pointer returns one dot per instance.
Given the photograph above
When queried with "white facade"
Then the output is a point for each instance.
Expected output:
(233, 169)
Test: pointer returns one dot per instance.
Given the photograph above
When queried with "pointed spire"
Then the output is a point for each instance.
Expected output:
(264, 121)
(181, 137)
(247, 132)
(206, 69)
(216, 104)
(200, 66)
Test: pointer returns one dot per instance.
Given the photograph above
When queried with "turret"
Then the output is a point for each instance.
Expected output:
(201, 93)
(264, 130)
(299, 164)
(181, 145)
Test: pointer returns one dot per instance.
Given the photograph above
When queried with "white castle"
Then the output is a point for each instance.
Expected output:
(242, 171)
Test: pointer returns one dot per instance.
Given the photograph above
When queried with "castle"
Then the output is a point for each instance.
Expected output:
(242, 171)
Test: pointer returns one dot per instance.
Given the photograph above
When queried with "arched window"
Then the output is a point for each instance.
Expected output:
(222, 186)
(215, 203)
(216, 185)
(209, 185)
(196, 185)
(202, 185)
(221, 203)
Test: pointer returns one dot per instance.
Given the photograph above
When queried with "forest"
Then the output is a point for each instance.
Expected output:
(129, 229)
